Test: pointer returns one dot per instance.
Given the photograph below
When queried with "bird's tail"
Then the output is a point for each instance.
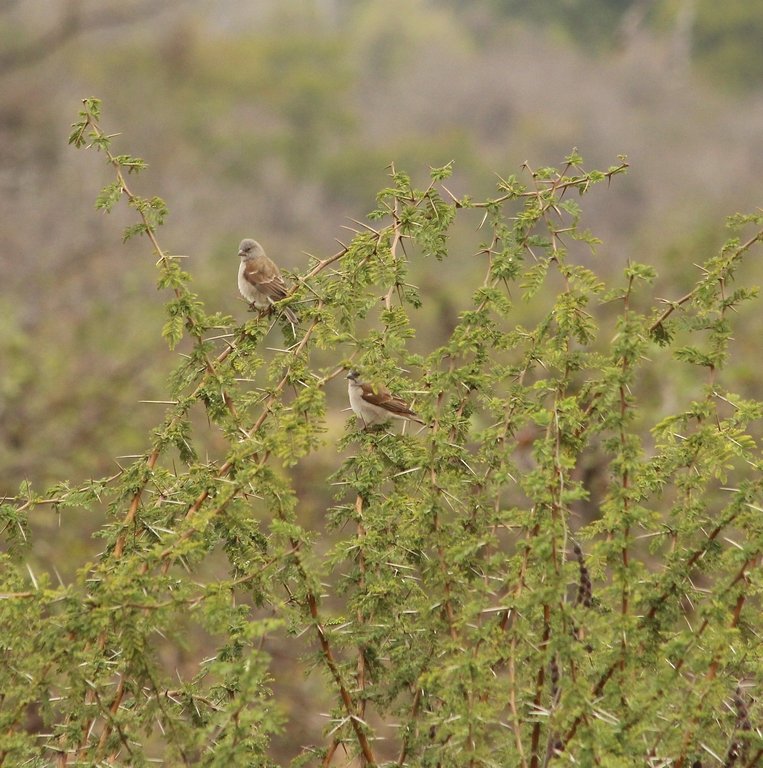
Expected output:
(290, 315)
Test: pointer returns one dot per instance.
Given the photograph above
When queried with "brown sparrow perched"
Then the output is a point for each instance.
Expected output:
(259, 279)
(375, 405)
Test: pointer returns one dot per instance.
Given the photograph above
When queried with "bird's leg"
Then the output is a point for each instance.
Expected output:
(260, 312)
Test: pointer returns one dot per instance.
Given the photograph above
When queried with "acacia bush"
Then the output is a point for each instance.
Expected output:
(557, 569)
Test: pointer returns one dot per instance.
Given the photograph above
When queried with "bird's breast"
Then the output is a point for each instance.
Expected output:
(247, 290)
(356, 401)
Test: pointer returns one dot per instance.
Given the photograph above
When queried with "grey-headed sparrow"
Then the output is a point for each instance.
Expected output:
(375, 405)
(259, 279)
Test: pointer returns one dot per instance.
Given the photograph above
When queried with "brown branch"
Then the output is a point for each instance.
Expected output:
(328, 655)
(539, 685)
(414, 714)
(673, 305)
(556, 184)
(712, 670)
(330, 753)
(447, 603)
(515, 720)
(361, 673)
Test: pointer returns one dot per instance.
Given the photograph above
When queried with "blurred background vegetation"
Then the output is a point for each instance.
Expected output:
(278, 120)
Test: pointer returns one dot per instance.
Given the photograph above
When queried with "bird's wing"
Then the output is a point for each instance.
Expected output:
(263, 274)
(383, 399)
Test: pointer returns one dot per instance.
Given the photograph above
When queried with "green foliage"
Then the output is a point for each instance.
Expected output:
(549, 570)
(725, 37)
(593, 23)
(726, 43)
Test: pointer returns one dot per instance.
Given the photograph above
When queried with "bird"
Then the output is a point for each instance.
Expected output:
(376, 405)
(259, 279)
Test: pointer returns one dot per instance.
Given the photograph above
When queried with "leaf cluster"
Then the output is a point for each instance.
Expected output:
(545, 572)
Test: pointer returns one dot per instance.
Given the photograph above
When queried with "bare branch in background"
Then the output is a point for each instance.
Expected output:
(632, 23)
(73, 23)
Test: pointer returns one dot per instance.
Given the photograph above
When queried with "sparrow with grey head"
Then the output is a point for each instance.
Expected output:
(376, 405)
(259, 279)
